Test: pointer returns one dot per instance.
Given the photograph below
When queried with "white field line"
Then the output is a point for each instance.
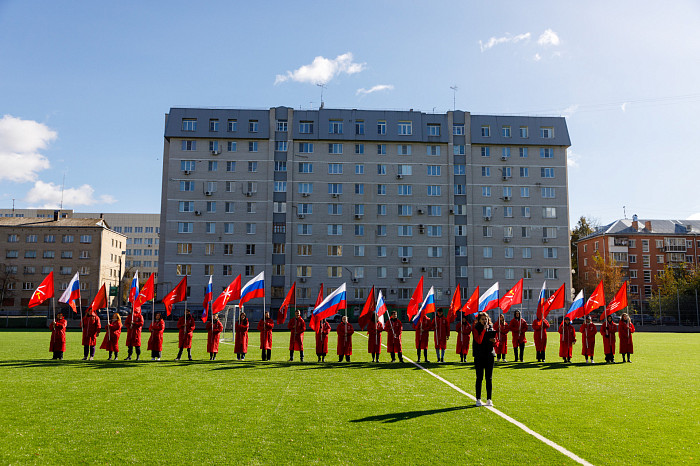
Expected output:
(519, 424)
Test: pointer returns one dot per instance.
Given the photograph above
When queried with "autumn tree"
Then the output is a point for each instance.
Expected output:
(584, 227)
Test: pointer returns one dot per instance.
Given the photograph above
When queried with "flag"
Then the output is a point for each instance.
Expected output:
(100, 301)
(145, 294)
(208, 296)
(282, 313)
(489, 300)
(381, 308)
(595, 300)
(255, 288)
(333, 304)
(367, 309)
(556, 301)
(428, 305)
(232, 291)
(455, 305)
(416, 299)
(134, 290)
(319, 299)
(513, 297)
(618, 302)
(72, 292)
(576, 309)
(472, 304)
(178, 294)
(43, 292)
(542, 301)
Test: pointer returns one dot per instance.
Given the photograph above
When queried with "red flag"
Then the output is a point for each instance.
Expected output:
(232, 291)
(178, 294)
(556, 301)
(455, 305)
(100, 301)
(472, 304)
(619, 302)
(367, 310)
(416, 300)
(43, 292)
(282, 313)
(513, 297)
(596, 300)
(313, 322)
(145, 294)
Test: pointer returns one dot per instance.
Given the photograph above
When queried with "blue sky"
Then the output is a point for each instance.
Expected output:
(84, 86)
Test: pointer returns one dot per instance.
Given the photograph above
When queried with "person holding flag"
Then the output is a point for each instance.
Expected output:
(324, 328)
(464, 330)
(214, 329)
(484, 340)
(608, 330)
(625, 331)
(374, 336)
(134, 325)
(57, 346)
(265, 327)
(518, 327)
(567, 338)
(134, 290)
(208, 298)
(110, 342)
(539, 332)
(344, 331)
(501, 344)
(43, 292)
(155, 342)
(441, 334)
(422, 327)
(297, 327)
(393, 330)
(185, 325)
(588, 332)
(240, 347)
(91, 330)
(72, 293)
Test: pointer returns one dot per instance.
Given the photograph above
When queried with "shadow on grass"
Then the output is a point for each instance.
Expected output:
(406, 415)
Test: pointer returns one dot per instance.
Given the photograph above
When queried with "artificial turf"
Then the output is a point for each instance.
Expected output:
(254, 412)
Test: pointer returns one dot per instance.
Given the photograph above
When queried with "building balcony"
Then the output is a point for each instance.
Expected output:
(620, 242)
(668, 248)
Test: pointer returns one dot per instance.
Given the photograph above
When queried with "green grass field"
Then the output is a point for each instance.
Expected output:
(252, 412)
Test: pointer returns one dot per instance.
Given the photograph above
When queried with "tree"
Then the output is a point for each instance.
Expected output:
(676, 288)
(609, 271)
(584, 227)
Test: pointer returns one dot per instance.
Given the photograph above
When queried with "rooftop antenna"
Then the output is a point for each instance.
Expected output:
(322, 86)
(624, 212)
(13, 205)
(454, 97)
(63, 188)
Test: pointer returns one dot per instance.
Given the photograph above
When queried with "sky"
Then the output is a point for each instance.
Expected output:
(84, 86)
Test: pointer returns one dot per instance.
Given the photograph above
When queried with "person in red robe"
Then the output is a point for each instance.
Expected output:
(185, 325)
(265, 327)
(324, 328)
(91, 330)
(422, 333)
(464, 330)
(441, 334)
(110, 342)
(567, 338)
(539, 332)
(501, 345)
(608, 330)
(296, 327)
(214, 329)
(588, 332)
(240, 347)
(393, 330)
(344, 331)
(57, 346)
(624, 332)
(518, 327)
(155, 341)
(374, 338)
(133, 324)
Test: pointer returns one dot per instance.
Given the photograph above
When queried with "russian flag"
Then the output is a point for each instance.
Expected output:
(415, 320)
(426, 307)
(255, 288)
(72, 292)
(134, 291)
(576, 309)
(381, 308)
(333, 304)
(489, 300)
(541, 301)
(208, 297)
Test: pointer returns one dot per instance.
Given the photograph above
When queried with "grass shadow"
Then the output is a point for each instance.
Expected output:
(406, 415)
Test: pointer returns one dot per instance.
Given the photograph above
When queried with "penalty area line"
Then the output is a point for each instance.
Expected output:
(516, 423)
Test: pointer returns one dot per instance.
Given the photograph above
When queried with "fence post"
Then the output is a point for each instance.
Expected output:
(678, 305)
(697, 312)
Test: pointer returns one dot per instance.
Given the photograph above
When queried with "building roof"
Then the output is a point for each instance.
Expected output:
(33, 222)
(658, 227)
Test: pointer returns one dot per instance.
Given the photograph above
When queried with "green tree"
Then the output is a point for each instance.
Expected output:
(584, 227)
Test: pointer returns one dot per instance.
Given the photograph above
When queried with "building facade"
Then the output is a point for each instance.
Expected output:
(371, 198)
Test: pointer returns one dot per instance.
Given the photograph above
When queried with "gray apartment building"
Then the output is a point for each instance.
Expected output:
(368, 197)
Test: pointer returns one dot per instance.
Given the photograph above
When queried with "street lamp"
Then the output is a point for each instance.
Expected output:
(119, 284)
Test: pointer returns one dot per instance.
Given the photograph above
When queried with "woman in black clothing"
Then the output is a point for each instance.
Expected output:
(484, 338)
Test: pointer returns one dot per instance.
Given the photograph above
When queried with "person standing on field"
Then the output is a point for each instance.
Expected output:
(518, 327)
(608, 330)
(501, 344)
(393, 330)
(110, 342)
(374, 338)
(344, 331)
(324, 328)
(441, 334)
(421, 337)
(567, 338)
(91, 330)
(58, 336)
(464, 335)
(185, 324)
(539, 333)
(297, 327)
(265, 327)
(240, 346)
(484, 339)
(588, 332)
(625, 331)
(214, 329)
(155, 342)
(133, 324)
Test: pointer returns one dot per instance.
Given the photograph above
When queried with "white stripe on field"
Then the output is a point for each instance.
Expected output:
(519, 424)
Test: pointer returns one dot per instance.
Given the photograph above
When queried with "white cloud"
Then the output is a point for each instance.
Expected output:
(624, 106)
(694, 216)
(20, 143)
(48, 195)
(377, 88)
(322, 70)
(548, 37)
(570, 110)
(537, 57)
(494, 41)
(572, 159)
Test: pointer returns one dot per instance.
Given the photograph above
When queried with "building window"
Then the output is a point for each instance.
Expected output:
(183, 269)
(381, 127)
(304, 229)
(211, 207)
(405, 190)
(232, 126)
(524, 172)
(359, 188)
(458, 149)
(189, 124)
(432, 150)
(381, 230)
(359, 127)
(549, 212)
(335, 230)
(405, 128)
(86, 239)
(359, 149)
(433, 129)
(334, 250)
(335, 169)
(505, 131)
(335, 209)
(381, 190)
(458, 129)
(485, 171)
(381, 149)
(403, 149)
(305, 188)
(486, 152)
(505, 152)
(488, 273)
(335, 127)
(282, 125)
(306, 147)
(306, 127)
(547, 172)
(280, 166)
(434, 190)
(280, 187)
(250, 228)
(335, 188)
(214, 146)
(252, 146)
(335, 148)
(252, 126)
(306, 167)
(548, 193)
(381, 209)
(546, 133)
(485, 131)
(213, 125)
(525, 212)
(281, 146)
(550, 253)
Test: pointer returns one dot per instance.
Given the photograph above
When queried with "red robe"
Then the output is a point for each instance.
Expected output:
(501, 345)
(518, 329)
(464, 330)
(374, 337)
(588, 333)
(186, 332)
(110, 342)
(625, 331)
(58, 336)
(322, 337)
(608, 332)
(91, 330)
(241, 344)
(133, 324)
(296, 326)
(422, 333)
(214, 330)
(265, 328)
(539, 332)
(393, 330)
(567, 338)
(155, 342)
(441, 327)
(344, 331)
